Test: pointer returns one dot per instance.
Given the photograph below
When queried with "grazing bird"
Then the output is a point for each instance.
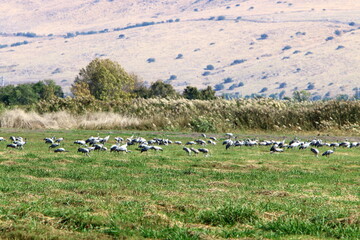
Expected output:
(213, 138)
(85, 151)
(229, 135)
(315, 151)
(60, 150)
(11, 145)
(122, 148)
(156, 148)
(80, 142)
(328, 153)
(49, 140)
(275, 149)
(2, 139)
(178, 142)
(204, 150)
(194, 150)
(58, 140)
(190, 143)
(203, 135)
(54, 145)
(188, 150)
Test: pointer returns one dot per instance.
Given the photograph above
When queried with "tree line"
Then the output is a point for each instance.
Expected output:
(106, 80)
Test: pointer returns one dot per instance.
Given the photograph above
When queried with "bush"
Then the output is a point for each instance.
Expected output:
(220, 18)
(228, 80)
(206, 73)
(179, 56)
(241, 84)
(263, 36)
(263, 90)
(202, 124)
(121, 36)
(282, 85)
(238, 61)
(310, 86)
(219, 87)
(172, 77)
(287, 47)
(337, 32)
(150, 60)
(209, 67)
(329, 38)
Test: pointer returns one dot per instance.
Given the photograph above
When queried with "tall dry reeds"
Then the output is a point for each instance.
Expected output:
(18, 118)
(195, 115)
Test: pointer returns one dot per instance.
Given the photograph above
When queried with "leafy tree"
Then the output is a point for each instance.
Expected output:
(207, 93)
(191, 93)
(47, 89)
(103, 79)
(301, 96)
(161, 89)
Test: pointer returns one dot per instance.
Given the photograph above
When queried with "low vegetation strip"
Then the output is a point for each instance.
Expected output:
(241, 192)
(220, 115)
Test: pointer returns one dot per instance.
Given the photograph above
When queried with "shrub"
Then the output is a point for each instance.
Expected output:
(238, 61)
(179, 56)
(228, 80)
(206, 73)
(219, 87)
(263, 36)
(287, 47)
(172, 77)
(310, 86)
(337, 32)
(150, 60)
(263, 90)
(240, 84)
(282, 85)
(339, 47)
(329, 38)
(351, 23)
(202, 124)
(209, 67)
(121, 36)
(220, 18)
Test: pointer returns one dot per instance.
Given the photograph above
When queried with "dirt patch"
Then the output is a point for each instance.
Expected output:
(273, 193)
(9, 163)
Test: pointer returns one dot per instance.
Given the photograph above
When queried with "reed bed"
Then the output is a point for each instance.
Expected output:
(190, 115)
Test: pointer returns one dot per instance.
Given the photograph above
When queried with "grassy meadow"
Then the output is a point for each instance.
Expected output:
(240, 193)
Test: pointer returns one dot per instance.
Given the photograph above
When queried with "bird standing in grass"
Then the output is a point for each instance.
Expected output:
(328, 153)
(85, 151)
(188, 150)
(205, 151)
(315, 151)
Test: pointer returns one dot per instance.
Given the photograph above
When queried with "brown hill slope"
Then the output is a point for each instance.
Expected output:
(260, 44)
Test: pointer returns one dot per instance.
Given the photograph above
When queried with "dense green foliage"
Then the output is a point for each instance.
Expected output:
(192, 93)
(237, 193)
(103, 79)
(29, 93)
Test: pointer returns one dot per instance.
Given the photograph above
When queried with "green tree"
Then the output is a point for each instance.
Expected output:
(47, 89)
(103, 79)
(191, 93)
(161, 89)
(301, 96)
(207, 93)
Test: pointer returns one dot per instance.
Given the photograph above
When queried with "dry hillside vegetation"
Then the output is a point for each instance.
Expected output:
(310, 44)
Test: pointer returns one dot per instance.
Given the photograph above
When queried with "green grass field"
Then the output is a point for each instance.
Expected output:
(244, 193)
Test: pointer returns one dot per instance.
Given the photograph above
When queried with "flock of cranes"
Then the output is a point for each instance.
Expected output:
(143, 145)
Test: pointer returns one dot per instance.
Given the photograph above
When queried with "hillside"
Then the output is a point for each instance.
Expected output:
(254, 46)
